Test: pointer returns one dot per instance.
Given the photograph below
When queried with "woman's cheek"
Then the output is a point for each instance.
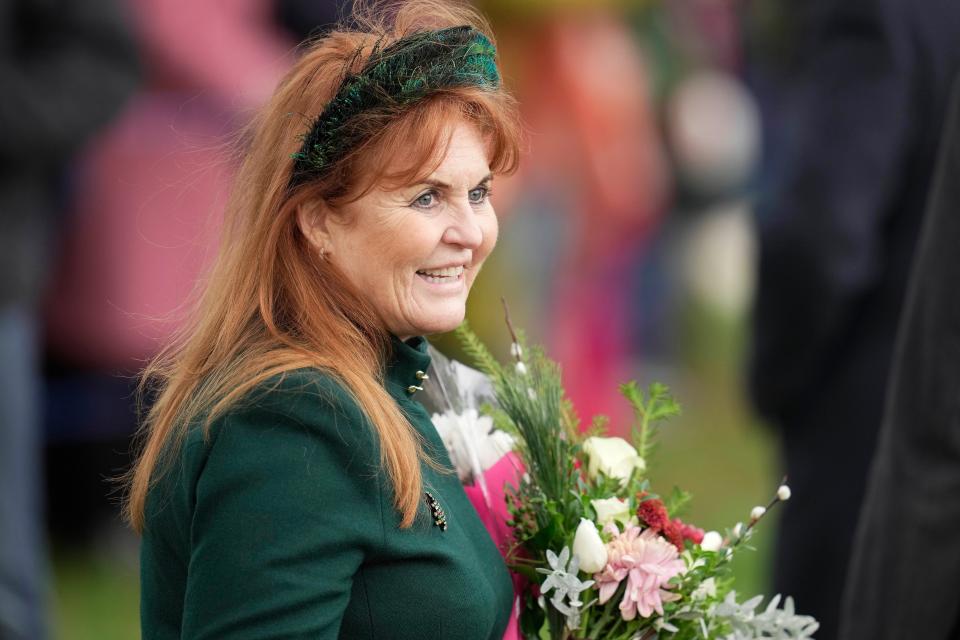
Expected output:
(490, 234)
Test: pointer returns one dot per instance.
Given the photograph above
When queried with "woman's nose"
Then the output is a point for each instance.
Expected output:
(464, 228)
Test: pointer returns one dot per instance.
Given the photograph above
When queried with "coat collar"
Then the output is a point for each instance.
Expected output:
(407, 366)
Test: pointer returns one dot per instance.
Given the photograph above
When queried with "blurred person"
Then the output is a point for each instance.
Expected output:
(291, 483)
(594, 189)
(143, 224)
(152, 183)
(837, 225)
(614, 155)
(65, 68)
(904, 579)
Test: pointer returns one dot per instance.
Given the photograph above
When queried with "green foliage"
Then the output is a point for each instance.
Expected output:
(474, 347)
(598, 426)
(648, 409)
(570, 419)
(677, 501)
(534, 402)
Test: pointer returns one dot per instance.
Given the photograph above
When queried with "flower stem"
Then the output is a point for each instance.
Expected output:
(609, 608)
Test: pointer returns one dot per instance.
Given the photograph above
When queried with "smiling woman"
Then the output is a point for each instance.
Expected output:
(290, 484)
(415, 250)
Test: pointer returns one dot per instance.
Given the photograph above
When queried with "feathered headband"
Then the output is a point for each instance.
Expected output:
(406, 71)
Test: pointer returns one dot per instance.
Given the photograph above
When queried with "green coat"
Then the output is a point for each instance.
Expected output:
(282, 525)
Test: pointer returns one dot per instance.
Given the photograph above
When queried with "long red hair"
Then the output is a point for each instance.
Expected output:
(271, 304)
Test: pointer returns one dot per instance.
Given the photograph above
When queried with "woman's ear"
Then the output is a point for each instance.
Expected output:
(313, 218)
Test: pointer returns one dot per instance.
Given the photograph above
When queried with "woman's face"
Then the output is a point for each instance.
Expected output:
(414, 252)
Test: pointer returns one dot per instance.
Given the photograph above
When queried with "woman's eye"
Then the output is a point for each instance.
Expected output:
(479, 194)
(426, 200)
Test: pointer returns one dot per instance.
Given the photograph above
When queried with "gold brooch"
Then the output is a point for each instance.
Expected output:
(439, 517)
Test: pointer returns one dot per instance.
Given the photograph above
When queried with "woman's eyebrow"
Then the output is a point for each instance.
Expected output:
(439, 184)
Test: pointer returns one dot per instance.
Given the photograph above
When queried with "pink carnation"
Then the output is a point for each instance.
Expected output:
(647, 561)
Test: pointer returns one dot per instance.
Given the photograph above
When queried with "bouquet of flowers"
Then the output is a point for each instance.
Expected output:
(601, 555)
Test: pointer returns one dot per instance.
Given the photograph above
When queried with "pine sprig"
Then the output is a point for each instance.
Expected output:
(571, 421)
(532, 398)
(648, 409)
(598, 426)
(474, 347)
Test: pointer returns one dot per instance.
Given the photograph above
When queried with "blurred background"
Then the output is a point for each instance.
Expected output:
(661, 134)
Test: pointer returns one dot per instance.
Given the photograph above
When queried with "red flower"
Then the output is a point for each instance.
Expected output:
(689, 532)
(652, 512)
(674, 533)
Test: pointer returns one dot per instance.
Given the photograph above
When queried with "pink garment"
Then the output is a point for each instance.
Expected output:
(228, 51)
(144, 224)
(150, 191)
(495, 516)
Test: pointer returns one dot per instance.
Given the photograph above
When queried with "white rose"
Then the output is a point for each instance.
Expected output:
(611, 509)
(589, 548)
(615, 457)
(712, 541)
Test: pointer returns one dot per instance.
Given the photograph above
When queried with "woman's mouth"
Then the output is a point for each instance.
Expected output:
(443, 275)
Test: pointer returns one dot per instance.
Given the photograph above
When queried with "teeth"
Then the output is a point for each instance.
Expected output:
(446, 272)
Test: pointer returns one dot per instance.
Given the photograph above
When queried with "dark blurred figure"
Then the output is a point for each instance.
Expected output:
(306, 18)
(904, 579)
(838, 223)
(65, 67)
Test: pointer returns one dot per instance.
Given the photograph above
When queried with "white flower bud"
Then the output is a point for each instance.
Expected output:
(783, 493)
(712, 541)
(515, 350)
(738, 529)
(531, 393)
(589, 547)
(521, 368)
(757, 513)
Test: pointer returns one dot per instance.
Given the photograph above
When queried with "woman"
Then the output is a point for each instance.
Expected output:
(291, 485)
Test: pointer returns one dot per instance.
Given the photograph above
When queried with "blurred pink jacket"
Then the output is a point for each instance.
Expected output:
(149, 192)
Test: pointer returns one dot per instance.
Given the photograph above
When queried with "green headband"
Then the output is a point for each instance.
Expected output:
(406, 71)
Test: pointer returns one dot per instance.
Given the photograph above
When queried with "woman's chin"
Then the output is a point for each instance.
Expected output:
(440, 319)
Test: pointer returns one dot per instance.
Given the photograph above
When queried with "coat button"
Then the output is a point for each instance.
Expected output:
(414, 388)
(422, 376)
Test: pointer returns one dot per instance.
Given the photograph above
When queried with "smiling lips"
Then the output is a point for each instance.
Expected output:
(446, 274)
